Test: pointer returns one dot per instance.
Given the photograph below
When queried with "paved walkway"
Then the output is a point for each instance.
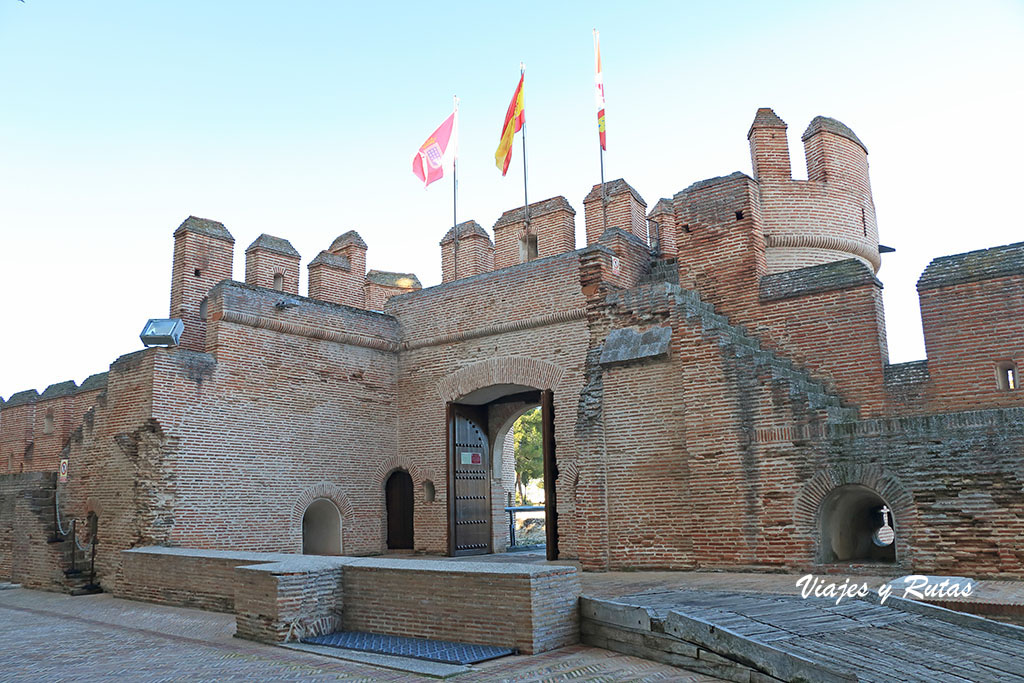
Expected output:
(55, 637)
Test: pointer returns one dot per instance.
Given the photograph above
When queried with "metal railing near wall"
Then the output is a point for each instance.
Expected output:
(72, 535)
(512, 511)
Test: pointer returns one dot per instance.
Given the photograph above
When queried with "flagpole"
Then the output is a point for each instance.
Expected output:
(604, 197)
(526, 201)
(455, 193)
(598, 75)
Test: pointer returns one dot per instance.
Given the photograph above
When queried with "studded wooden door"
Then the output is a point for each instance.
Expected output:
(470, 481)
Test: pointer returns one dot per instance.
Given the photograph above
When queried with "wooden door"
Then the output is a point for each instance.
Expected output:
(469, 467)
(398, 497)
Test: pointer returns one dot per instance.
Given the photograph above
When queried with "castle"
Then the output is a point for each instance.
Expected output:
(712, 371)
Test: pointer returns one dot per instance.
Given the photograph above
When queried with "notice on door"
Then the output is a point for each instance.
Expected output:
(472, 458)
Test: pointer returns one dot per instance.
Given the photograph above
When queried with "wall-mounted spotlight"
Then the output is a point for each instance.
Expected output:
(162, 332)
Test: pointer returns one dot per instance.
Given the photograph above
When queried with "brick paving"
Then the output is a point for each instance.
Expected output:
(55, 637)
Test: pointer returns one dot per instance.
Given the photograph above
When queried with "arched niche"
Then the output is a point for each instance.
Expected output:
(850, 519)
(321, 528)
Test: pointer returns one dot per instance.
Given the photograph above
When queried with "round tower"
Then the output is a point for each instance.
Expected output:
(830, 216)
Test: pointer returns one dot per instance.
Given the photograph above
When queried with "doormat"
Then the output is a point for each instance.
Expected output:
(419, 648)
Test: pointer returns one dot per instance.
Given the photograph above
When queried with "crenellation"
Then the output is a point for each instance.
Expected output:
(713, 375)
(272, 262)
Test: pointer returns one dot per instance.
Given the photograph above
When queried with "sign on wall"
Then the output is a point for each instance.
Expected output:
(62, 471)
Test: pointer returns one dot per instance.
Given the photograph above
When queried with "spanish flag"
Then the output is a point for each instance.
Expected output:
(514, 118)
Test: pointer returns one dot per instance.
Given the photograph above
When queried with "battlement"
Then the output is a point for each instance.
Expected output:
(828, 217)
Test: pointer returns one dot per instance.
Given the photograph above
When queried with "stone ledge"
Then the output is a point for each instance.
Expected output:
(826, 277)
(973, 266)
(629, 344)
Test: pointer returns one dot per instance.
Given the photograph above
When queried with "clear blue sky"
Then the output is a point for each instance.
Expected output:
(118, 119)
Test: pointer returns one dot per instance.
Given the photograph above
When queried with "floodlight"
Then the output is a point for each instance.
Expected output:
(162, 332)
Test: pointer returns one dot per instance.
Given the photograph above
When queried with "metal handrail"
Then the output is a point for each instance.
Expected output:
(512, 510)
(71, 531)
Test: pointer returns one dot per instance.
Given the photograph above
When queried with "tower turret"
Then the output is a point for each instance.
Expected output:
(830, 216)
(203, 251)
(273, 263)
(769, 147)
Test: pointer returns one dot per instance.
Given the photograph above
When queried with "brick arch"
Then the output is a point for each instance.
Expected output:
(885, 484)
(331, 492)
(399, 462)
(530, 372)
(570, 474)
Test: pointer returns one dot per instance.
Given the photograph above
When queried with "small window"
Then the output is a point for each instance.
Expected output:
(1006, 376)
(527, 248)
(428, 491)
(739, 215)
(278, 281)
(198, 273)
(202, 308)
(48, 422)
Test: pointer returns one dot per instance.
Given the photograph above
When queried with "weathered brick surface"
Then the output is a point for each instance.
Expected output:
(552, 222)
(277, 596)
(623, 207)
(534, 609)
(768, 388)
(269, 258)
(472, 254)
(203, 252)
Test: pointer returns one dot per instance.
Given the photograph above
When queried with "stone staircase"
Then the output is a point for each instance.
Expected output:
(735, 340)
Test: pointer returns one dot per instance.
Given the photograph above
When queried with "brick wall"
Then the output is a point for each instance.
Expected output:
(269, 257)
(552, 222)
(721, 243)
(831, 215)
(518, 326)
(274, 596)
(26, 527)
(829, 318)
(333, 278)
(626, 210)
(532, 608)
(970, 327)
(203, 254)
(474, 249)
(186, 577)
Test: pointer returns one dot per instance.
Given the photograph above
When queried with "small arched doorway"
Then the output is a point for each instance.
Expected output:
(399, 501)
(856, 526)
(321, 528)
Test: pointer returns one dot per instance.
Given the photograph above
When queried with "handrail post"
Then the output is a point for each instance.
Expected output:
(92, 562)
(74, 543)
(56, 523)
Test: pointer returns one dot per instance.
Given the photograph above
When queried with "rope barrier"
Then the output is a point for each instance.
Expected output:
(60, 527)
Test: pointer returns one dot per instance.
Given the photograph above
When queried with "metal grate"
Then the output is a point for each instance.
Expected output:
(419, 648)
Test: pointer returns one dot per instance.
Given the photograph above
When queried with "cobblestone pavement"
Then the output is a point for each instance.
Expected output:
(55, 637)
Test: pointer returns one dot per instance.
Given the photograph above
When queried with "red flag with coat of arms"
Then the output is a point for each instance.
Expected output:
(438, 152)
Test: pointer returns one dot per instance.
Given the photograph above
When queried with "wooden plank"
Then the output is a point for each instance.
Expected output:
(771, 660)
(916, 654)
(993, 665)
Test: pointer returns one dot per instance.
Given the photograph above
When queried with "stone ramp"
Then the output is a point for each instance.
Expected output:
(764, 637)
